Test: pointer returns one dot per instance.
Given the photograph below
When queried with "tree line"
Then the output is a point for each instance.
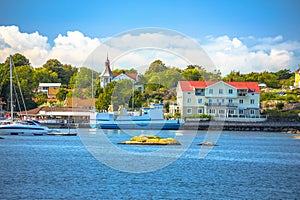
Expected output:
(158, 81)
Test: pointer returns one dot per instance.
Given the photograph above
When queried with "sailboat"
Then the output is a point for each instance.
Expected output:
(24, 127)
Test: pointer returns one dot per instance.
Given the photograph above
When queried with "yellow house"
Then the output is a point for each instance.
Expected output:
(297, 79)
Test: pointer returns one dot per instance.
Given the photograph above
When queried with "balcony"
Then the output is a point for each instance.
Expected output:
(222, 104)
(242, 92)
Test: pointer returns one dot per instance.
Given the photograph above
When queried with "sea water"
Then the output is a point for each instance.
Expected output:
(244, 165)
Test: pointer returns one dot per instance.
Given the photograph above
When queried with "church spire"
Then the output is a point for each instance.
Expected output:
(106, 76)
(107, 63)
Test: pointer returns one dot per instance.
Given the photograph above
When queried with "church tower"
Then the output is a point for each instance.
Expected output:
(106, 76)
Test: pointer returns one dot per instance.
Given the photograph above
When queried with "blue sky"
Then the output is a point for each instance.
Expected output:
(251, 22)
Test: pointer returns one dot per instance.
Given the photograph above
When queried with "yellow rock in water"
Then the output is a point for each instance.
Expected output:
(151, 140)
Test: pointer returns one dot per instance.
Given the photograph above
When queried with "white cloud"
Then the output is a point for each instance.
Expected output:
(138, 48)
(70, 49)
(141, 47)
(33, 45)
(73, 48)
(252, 54)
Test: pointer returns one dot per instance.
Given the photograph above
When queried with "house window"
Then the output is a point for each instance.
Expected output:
(189, 111)
(199, 101)
(251, 101)
(241, 101)
(230, 100)
(209, 101)
(241, 112)
(210, 91)
(199, 92)
(230, 91)
(199, 111)
(220, 91)
(252, 112)
(221, 111)
(230, 111)
(189, 100)
(211, 111)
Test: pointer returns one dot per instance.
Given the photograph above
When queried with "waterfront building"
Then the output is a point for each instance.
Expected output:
(82, 103)
(57, 114)
(219, 99)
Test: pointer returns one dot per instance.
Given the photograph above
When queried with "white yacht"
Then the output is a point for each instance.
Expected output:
(24, 127)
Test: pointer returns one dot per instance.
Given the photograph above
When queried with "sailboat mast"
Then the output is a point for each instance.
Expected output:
(11, 88)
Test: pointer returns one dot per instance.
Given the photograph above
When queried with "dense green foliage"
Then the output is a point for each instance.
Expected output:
(26, 80)
(282, 78)
(61, 94)
(288, 95)
(104, 99)
(278, 115)
(159, 83)
(198, 73)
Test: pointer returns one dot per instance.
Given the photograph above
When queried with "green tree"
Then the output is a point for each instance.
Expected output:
(198, 73)
(18, 60)
(191, 74)
(42, 75)
(25, 86)
(122, 94)
(41, 98)
(234, 76)
(68, 72)
(156, 66)
(61, 94)
(64, 72)
(104, 99)
(284, 74)
(279, 105)
(22, 83)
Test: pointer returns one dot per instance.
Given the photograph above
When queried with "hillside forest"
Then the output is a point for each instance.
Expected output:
(158, 83)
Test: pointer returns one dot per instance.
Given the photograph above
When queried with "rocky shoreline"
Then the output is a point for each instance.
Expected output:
(285, 127)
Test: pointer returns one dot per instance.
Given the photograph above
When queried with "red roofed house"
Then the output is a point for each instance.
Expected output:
(220, 99)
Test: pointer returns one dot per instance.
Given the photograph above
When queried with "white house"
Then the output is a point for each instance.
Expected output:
(108, 76)
(44, 87)
(219, 99)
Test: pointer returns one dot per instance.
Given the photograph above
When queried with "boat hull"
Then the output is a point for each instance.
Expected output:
(22, 130)
(140, 125)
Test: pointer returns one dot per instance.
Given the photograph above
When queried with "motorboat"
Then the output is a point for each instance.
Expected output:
(24, 127)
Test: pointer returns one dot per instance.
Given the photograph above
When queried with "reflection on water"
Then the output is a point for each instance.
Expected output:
(243, 165)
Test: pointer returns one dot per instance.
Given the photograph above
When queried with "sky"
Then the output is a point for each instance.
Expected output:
(246, 36)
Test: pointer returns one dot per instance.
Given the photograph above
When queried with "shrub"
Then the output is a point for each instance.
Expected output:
(279, 106)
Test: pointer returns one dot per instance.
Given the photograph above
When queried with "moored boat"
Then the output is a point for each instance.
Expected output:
(147, 118)
(25, 127)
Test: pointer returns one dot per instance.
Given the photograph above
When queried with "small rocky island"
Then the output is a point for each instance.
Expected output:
(150, 140)
(207, 144)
